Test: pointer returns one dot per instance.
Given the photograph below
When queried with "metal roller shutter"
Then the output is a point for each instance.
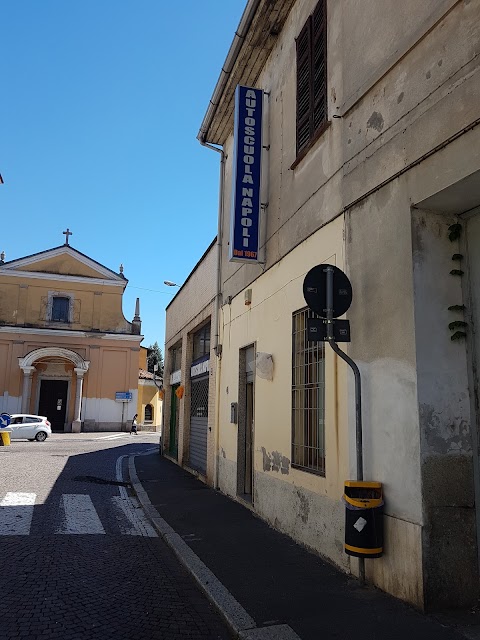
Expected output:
(199, 424)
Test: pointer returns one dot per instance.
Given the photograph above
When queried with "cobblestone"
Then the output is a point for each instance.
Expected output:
(92, 587)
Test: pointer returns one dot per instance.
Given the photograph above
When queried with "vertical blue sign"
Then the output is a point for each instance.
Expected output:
(247, 165)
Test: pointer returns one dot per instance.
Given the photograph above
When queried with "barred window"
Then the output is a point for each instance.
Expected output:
(312, 78)
(308, 397)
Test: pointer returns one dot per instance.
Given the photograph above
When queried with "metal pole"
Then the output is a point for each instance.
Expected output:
(358, 393)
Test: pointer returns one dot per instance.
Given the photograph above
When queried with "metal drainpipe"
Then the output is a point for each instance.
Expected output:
(216, 309)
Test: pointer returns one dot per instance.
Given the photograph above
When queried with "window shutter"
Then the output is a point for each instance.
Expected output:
(304, 87)
(319, 65)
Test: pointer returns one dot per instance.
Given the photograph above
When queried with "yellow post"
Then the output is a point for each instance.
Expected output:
(5, 438)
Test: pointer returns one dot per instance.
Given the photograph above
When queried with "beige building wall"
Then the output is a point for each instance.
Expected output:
(377, 192)
(190, 310)
(95, 350)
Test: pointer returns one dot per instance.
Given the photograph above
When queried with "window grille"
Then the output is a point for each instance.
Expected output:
(308, 397)
(312, 77)
(199, 398)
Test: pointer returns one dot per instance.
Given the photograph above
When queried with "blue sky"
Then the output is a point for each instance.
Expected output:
(101, 103)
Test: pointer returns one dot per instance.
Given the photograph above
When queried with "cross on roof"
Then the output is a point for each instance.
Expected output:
(66, 234)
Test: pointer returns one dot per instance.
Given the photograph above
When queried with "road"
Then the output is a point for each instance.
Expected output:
(79, 559)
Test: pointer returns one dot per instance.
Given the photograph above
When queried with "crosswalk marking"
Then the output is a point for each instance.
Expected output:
(16, 512)
(80, 516)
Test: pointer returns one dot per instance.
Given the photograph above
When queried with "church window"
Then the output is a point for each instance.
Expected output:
(60, 309)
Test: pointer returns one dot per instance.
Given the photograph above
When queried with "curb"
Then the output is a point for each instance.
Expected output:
(236, 617)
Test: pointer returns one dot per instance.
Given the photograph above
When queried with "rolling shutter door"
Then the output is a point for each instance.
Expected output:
(199, 424)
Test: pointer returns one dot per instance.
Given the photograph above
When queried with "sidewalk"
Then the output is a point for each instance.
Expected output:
(263, 583)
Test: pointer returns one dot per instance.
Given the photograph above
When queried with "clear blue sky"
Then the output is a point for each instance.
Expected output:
(101, 102)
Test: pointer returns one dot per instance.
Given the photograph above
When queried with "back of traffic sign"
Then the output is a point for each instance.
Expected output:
(315, 290)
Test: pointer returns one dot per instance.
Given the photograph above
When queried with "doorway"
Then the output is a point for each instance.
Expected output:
(53, 402)
(246, 424)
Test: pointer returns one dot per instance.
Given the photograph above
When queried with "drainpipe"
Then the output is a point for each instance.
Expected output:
(217, 347)
(232, 55)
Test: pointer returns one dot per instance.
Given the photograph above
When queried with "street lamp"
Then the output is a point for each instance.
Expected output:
(169, 283)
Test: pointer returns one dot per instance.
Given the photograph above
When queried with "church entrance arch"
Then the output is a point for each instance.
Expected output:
(53, 382)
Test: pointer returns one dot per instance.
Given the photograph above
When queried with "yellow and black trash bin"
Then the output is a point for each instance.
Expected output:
(5, 437)
(363, 519)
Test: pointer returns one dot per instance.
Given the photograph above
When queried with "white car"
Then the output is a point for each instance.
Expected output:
(27, 427)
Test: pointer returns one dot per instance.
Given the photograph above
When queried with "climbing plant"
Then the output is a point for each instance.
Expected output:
(457, 326)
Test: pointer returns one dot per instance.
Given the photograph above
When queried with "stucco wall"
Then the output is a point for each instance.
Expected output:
(408, 108)
(191, 308)
(302, 504)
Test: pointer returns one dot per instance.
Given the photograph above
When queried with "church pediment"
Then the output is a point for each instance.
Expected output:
(62, 261)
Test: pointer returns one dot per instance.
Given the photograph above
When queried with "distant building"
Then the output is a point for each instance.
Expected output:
(371, 162)
(66, 350)
(149, 408)
(190, 371)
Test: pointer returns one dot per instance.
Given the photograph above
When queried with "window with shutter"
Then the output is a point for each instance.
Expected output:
(60, 309)
(312, 77)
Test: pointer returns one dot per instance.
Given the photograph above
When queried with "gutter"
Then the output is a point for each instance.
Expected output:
(232, 55)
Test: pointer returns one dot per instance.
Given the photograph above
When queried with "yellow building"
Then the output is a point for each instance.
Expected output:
(149, 406)
(66, 349)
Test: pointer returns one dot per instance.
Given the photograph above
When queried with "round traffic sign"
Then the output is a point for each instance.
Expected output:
(315, 290)
(5, 419)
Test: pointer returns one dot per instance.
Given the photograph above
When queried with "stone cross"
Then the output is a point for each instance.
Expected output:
(67, 233)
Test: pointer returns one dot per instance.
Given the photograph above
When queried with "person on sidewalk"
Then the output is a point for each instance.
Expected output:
(134, 425)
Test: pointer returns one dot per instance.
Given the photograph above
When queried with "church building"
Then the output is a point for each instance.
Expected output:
(66, 350)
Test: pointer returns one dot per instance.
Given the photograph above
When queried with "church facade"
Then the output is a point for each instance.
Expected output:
(66, 349)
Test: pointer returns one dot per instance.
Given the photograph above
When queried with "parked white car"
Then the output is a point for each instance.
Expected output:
(25, 426)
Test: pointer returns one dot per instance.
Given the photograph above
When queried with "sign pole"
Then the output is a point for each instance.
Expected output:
(358, 391)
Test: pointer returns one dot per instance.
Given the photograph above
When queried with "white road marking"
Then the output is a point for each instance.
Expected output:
(132, 510)
(80, 516)
(16, 512)
(113, 436)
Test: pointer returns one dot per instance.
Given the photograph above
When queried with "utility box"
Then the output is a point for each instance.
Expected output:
(363, 519)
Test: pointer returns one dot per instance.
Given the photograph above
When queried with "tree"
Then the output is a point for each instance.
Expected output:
(155, 357)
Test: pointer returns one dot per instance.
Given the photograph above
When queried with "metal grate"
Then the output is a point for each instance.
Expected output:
(308, 397)
(199, 403)
(199, 424)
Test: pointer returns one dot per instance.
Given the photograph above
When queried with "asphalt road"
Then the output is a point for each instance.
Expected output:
(78, 558)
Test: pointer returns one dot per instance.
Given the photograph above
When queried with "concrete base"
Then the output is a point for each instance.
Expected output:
(76, 426)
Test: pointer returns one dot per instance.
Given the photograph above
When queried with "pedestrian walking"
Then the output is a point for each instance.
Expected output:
(134, 425)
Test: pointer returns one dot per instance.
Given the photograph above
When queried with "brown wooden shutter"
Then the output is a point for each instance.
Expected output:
(319, 65)
(304, 87)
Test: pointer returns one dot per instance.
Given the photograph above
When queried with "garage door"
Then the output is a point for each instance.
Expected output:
(199, 424)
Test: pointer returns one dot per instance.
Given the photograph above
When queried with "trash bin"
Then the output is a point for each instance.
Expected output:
(5, 437)
(363, 519)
